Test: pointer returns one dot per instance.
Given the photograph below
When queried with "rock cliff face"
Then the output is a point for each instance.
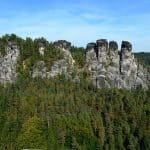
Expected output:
(8, 63)
(109, 67)
(112, 68)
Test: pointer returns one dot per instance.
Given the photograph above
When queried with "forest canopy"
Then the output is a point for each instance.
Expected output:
(62, 114)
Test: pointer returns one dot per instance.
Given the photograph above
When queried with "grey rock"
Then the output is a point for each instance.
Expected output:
(8, 63)
(102, 48)
(90, 46)
(109, 68)
(114, 69)
(63, 44)
(102, 43)
(113, 46)
(39, 70)
(126, 45)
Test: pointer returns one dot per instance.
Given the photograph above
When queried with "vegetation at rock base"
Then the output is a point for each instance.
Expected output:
(78, 55)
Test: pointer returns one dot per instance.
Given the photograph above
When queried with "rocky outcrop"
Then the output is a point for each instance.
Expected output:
(109, 67)
(113, 69)
(65, 65)
(63, 44)
(8, 63)
(41, 48)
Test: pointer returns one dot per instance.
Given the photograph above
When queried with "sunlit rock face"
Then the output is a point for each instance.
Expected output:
(113, 69)
(8, 63)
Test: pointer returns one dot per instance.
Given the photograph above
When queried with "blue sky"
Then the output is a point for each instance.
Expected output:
(79, 21)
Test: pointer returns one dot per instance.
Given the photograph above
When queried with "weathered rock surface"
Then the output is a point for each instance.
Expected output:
(8, 63)
(111, 69)
(65, 65)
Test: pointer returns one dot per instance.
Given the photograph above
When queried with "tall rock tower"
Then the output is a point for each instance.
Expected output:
(8, 63)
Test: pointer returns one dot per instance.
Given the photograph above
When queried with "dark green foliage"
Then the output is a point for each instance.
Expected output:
(29, 52)
(4, 40)
(2, 48)
(78, 55)
(57, 114)
(143, 58)
(32, 134)
(29, 55)
(52, 54)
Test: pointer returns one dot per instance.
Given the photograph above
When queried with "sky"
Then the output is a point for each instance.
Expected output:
(79, 21)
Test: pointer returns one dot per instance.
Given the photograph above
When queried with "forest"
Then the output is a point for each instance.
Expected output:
(143, 57)
(61, 114)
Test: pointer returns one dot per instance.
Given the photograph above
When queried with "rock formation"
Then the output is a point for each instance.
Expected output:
(109, 67)
(113, 69)
(8, 63)
(65, 65)
(41, 48)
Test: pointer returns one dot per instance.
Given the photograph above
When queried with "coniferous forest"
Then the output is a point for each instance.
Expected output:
(61, 114)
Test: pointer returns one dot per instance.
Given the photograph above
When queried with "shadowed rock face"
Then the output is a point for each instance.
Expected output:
(126, 46)
(90, 46)
(102, 47)
(40, 44)
(113, 49)
(102, 43)
(114, 69)
(62, 44)
(126, 49)
(113, 46)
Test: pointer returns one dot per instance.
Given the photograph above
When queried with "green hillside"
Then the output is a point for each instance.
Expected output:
(61, 114)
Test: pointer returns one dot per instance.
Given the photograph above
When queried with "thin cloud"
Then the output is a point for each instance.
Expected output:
(80, 23)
